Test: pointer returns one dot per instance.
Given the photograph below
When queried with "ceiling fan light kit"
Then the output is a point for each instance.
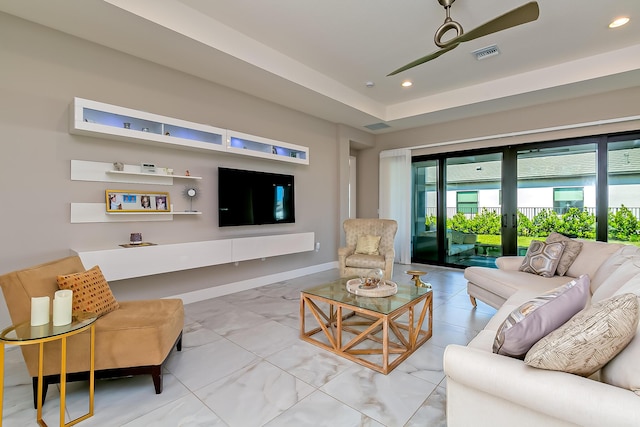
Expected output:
(521, 15)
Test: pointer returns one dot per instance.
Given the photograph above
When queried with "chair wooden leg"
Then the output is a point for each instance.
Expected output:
(156, 374)
(473, 301)
(45, 387)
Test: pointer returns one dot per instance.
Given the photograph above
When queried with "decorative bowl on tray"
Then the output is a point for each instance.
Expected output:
(383, 288)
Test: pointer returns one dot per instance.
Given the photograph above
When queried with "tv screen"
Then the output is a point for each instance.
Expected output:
(253, 198)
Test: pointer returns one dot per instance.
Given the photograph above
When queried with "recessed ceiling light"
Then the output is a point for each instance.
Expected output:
(619, 22)
(407, 83)
(369, 84)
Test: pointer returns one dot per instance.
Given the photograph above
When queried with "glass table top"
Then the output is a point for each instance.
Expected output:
(26, 332)
(337, 291)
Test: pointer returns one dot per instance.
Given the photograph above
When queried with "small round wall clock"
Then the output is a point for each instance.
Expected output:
(191, 193)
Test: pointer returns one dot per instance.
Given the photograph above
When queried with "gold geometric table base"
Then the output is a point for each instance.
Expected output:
(355, 333)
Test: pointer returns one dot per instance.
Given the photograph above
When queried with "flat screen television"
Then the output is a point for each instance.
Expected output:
(253, 198)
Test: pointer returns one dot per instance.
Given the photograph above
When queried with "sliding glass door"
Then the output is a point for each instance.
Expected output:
(556, 192)
(425, 211)
(461, 224)
(471, 207)
(624, 191)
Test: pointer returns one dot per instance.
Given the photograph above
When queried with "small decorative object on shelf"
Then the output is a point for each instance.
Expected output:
(118, 166)
(274, 150)
(135, 239)
(148, 167)
(415, 276)
(127, 125)
(191, 193)
(187, 173)
(145, 129)
(169, 171)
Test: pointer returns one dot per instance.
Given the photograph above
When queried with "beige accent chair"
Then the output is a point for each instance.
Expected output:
(132, 340)
(352, 264)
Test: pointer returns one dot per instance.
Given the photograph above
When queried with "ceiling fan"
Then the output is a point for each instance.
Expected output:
(518, 16)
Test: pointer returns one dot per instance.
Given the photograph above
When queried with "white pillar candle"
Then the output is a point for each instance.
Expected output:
(39, 311)
(62, 304)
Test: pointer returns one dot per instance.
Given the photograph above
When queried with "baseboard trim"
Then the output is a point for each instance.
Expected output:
(243, 285)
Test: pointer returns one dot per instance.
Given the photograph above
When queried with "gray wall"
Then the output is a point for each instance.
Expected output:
(595, 108)
(42, 70)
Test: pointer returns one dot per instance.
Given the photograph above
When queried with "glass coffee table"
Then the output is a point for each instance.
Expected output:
(376, 332)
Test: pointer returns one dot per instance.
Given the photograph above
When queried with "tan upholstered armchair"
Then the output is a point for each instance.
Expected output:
(357, 232)
(134, 339)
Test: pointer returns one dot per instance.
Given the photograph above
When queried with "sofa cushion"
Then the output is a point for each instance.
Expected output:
(542, 258)
(505, 283)
(624, 370)
(620, 276)
(91, 292)
(591, 256)
(365, 261)
(469, 239)
(590, 339)
(367, 245)
(536, 318)
(571, 250)
(611, 264)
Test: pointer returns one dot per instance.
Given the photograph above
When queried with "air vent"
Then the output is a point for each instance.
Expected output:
(377, 126)
(486, 52)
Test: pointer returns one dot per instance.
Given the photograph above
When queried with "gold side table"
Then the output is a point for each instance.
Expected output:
(415, 277)
(25, 334)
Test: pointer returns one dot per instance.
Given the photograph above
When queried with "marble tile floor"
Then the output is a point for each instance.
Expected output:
(243, 365)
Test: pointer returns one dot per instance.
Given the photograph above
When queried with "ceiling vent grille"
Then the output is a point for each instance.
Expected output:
(486, 52)
(377, 126)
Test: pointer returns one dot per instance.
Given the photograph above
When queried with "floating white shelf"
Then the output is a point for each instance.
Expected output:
(101, 120)
(125, 263)
(96, 212)
(114, 172)
(256, 146)
(124, 124)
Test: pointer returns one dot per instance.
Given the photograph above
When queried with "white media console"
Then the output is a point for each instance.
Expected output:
(126, 263)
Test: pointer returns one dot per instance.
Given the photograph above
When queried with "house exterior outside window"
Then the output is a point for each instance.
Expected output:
(567, 197)
(467, 202)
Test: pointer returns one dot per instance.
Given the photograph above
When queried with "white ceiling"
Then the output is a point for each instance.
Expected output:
(316, 56)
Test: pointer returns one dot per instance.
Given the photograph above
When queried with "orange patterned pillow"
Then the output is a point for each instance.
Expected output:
(91, 293)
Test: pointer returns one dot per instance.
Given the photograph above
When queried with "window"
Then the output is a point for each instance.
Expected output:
(566, 198)
(467, 202)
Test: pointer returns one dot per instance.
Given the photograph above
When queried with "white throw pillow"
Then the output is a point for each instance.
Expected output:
(590, 339)
(624, 370)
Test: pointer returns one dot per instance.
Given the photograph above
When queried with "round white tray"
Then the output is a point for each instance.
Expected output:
(386, 289)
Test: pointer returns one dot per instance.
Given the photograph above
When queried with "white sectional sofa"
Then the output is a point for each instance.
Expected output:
(488, 389)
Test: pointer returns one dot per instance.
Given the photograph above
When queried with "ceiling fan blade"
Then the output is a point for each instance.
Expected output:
(424, 59)
(518, 16)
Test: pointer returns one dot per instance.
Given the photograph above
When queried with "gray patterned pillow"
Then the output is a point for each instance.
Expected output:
(571, 250)
(590, 339)
(530, 322)
(542, 258)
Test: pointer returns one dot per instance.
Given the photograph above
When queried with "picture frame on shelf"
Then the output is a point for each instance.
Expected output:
(137, 201)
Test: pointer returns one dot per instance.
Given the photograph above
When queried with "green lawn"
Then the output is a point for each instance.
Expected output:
(523, 242)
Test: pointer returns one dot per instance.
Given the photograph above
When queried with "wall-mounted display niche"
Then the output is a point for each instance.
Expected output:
(98, 119)
(82, 170)
(242, 143)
